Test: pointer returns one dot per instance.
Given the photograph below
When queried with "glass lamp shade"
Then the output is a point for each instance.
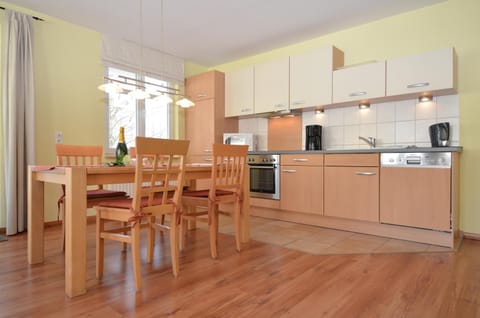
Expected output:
(163, 99)
(139, 94)
(110, 88)
(185, 103)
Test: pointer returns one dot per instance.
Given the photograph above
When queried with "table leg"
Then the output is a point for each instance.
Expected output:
(75, 231)
(245, 217)
(36, 191)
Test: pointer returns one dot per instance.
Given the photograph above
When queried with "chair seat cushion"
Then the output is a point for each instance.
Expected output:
(204, 193)
(127, 203)
(103, 193)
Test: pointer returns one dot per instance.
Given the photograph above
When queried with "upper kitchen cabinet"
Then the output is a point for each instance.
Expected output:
(205, 86)
(433, 71)
(271, 86)
(311, 76)
(205, 123)
(359, 82)
(239, 99)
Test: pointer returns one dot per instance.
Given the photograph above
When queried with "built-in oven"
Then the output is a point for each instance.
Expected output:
(264, 176)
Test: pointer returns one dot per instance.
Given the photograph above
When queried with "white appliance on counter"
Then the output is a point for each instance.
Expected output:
(241, 139)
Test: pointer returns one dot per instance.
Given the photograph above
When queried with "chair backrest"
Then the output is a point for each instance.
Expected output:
(78, 155)
(155, 182)
(228, 168)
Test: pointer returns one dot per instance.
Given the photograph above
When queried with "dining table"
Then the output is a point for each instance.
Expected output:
(76, 180)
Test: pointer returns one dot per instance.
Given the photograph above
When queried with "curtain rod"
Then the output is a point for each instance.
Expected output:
(34, 17)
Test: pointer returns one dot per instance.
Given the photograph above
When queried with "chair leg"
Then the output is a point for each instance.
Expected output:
(174, 244)
(100, 246)
(150, 238)
(236, 216)
(183, 230)
(124, 245)
(136, 256)
(213, 228)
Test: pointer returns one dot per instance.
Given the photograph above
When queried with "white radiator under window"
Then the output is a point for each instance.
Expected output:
(127, 187)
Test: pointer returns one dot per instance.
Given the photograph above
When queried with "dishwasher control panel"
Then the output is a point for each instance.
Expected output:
(417, 159)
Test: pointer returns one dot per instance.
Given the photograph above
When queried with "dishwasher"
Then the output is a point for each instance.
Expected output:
(415, 190)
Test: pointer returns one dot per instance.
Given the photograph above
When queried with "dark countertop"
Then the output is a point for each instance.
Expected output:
(372, 150)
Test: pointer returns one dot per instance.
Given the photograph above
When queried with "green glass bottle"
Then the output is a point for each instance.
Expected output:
(122, 149)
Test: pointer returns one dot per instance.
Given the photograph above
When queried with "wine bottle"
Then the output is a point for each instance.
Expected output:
(122, 149)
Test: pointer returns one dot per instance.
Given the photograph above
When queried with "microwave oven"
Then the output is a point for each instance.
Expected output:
(241, 139)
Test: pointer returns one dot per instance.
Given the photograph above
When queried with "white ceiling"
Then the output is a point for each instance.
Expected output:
(211, 32)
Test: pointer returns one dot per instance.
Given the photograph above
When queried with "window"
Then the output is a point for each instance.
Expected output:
(147, 117)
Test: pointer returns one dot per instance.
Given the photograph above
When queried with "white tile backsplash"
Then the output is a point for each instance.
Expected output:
(405, 110)
(400, 123)
(385, 112)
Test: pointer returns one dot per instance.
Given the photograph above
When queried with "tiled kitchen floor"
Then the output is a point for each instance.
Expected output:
(318, 240)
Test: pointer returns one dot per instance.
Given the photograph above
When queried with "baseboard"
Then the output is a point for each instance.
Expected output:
(471, 236)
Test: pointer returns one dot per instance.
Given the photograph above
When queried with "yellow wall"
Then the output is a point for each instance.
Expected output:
(452, 23)
(67, 70)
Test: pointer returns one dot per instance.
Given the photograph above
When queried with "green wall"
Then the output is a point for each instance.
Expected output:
(68, 70)
(451, 23)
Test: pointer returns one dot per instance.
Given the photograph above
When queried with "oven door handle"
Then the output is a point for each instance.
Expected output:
(263, 167)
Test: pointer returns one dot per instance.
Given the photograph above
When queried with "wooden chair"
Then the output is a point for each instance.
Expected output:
(226, 187)
(79, 155)
(157, 192)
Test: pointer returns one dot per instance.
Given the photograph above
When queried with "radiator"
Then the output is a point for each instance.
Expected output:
(127, 187)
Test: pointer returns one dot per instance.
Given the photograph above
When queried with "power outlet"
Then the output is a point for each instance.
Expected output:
(58, 137)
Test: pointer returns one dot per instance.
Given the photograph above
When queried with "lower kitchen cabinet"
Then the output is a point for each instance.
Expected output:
(301, 185)
(352, 191)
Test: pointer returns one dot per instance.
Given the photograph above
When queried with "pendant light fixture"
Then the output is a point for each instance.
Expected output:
(140, 89)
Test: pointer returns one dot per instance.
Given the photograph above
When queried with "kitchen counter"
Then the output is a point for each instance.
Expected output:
(363, 150)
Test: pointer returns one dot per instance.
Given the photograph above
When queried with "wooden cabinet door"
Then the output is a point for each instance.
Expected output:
(358, 83)
(418, 197)
(202, 86)
(239, 92)
(429, 71)
(301, 189)
(311, 77)
(352, 192)
(200, 127)
(271, 86)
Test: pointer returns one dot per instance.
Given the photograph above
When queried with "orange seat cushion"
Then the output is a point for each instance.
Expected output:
(204, 193)
(103, 193)
(127, 203)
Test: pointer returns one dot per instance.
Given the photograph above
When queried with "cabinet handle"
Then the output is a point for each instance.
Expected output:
(363, 173)
(201, 95)
(357, 94)
(207, 150)
(245, 110)
(279, 105)
(415, 85)
(300, 159)
(289, 170)
(207, 159)
(298, 102)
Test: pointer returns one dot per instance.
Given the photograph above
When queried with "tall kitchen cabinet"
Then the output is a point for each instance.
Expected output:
(352, 186)
(205, 123)
(311, 76)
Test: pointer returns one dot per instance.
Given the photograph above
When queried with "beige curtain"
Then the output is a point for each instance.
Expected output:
(18, 118)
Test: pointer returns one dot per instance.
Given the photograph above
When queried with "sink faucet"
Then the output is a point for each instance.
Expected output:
(369, 140)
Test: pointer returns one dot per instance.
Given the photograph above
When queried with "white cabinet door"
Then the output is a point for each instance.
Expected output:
(311, 77)
(361, 82)
(271, 86)
(239, 92)
(425, 72)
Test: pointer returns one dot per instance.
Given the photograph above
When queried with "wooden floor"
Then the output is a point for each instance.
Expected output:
(262, 281)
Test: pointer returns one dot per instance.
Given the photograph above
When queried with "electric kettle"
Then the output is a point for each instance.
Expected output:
(440, 134)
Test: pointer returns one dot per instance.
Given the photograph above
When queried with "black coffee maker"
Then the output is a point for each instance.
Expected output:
(313, 137)
(440, 134)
